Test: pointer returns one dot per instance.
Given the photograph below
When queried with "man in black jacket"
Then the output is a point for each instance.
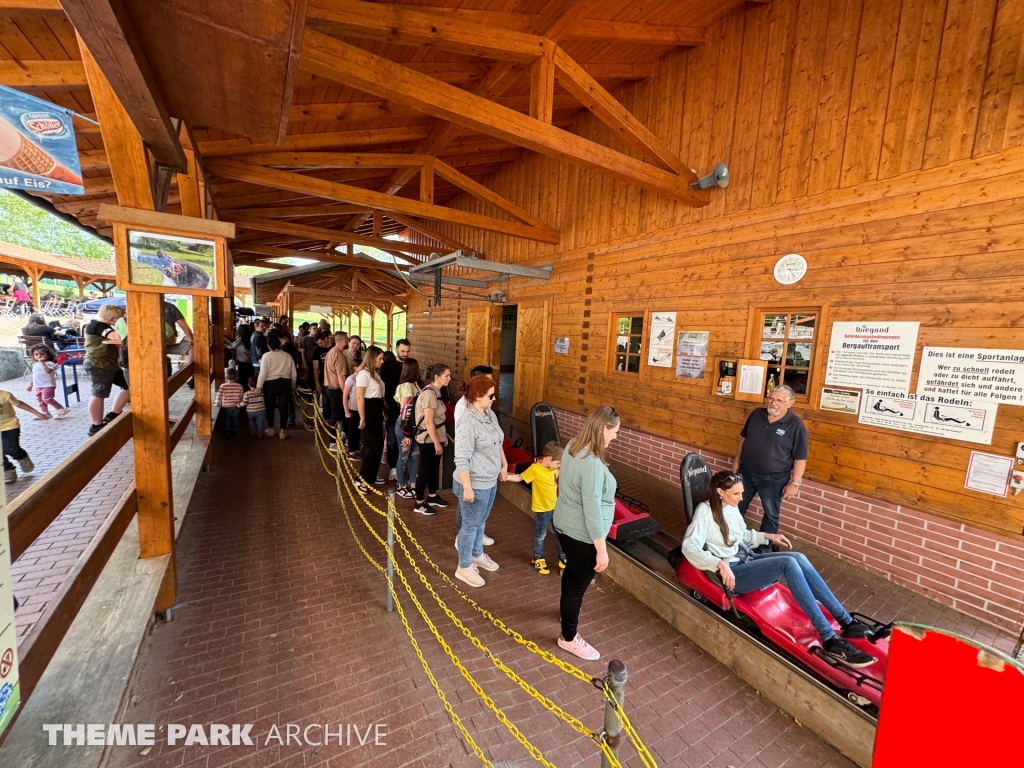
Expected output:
(391, 373)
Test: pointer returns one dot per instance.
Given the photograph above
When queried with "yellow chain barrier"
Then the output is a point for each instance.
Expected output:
(316, 424)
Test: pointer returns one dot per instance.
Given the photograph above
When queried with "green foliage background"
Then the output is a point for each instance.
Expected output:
(23, 224)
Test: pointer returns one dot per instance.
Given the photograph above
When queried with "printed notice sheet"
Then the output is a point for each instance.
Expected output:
(907, 413)
(963, 376)
(872, 354)
(988, 473)
(663, 331)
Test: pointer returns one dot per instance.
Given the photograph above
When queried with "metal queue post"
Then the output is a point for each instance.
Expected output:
(391, 551)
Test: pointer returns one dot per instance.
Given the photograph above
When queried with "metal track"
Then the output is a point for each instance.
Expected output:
(826, 687)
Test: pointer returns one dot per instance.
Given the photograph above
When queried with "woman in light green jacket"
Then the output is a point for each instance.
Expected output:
(583, 517)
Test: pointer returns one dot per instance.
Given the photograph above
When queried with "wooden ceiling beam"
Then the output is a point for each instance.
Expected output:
(31, 6)
(354, 18)
(336, 159)
(304, 141)
(377, 75)
(277, 252)
(32, 74)
(609, 111)
(433, 234)
(636, 33)
(104, 28)
(285, 212)
(476, 189)
(321, 233)
(93, 159)
(356, 195)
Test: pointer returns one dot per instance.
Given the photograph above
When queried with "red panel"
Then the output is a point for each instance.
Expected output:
(948, 701)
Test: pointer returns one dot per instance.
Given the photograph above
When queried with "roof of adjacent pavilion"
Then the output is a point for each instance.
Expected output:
(287, 122)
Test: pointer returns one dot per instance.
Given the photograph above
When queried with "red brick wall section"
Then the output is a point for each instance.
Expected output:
(975, 572)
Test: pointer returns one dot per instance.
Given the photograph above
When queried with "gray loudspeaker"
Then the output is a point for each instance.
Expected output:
(717, 178)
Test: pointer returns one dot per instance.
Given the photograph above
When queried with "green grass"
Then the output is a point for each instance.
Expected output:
(143, 274)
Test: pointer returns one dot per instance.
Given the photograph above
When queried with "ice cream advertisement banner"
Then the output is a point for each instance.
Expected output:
(37, 146)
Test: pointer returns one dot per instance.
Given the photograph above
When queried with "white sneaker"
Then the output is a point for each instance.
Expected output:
(579, 647)
(26, 464)
(470, 576)
(62, 414)
(488, 541)
(10, 475)
(269, 431)
(392, 474)
(333, 447)
(281, 434)
(485, 562)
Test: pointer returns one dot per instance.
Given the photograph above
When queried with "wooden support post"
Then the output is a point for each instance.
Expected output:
(391, 325)
(373, 325)
(81, 288)
(33, 275)
(542, 85)
(427, 181)
(220, 316)
(130, 169)
(378, 223)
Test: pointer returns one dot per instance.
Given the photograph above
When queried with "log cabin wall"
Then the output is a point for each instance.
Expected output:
(883, 141)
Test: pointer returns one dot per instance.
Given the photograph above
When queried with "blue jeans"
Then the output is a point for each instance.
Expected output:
(803, 581)
(474, 515)
(769, 489)
(230, 420)
(541, 522)
(257, 423)
(408, 458)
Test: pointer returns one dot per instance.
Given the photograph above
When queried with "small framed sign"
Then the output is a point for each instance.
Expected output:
(164, 253)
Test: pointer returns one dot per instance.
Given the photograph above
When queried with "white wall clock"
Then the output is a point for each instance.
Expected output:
(790, 269)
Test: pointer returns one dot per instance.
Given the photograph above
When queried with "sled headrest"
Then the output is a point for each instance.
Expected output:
(695, 478)
(544, 426)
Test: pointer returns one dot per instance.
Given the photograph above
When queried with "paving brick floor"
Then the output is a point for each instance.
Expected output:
(42, 568)
(282, 621)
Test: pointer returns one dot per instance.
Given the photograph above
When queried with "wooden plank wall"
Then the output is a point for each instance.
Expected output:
(881, 139)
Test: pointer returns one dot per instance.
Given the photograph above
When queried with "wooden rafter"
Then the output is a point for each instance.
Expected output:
(224, 147)
(477, 189)
(310, 232)
(423, 229)
(43, 74)
(374, 74)
(345, 193)
(104, 28)
(336, 159)
(297, 211)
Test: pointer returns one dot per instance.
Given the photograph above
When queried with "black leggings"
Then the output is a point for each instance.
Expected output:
(373, 438)
(580, 561)
(426, 476)
(276, 394)
(245, 371)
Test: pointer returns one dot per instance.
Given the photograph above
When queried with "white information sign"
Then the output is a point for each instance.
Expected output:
(840, 400)
(318, 310)
(964, 377)
(751, 379)
(562, 345)
(907, 413)
(872, 354)
(988, 473)
(663, 330)
(690, 366)
(10, 690)
(693, 343)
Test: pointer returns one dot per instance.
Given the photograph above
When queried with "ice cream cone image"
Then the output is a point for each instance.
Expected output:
(19, 153)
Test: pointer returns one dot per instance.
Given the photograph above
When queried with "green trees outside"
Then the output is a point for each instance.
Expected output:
(23, 224)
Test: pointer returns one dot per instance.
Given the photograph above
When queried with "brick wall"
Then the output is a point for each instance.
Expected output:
(973, 571)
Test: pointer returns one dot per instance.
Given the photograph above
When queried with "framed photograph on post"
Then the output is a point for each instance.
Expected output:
(164, 253)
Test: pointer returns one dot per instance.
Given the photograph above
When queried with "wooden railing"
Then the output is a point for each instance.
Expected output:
(34, 510)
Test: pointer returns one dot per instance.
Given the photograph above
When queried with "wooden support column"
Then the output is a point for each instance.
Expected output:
(192, 205)
(81, 288)
(33, 275)
(373, 325)
(542, 85)
(378, 223)
(427, 181)
(391, 325)
(130, 168)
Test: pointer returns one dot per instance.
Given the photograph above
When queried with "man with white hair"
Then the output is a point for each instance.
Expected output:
(772, 456)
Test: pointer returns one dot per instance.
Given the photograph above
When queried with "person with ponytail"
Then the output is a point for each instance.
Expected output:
(430, 434)
(370, 406)
(583, 516)
(718, 540)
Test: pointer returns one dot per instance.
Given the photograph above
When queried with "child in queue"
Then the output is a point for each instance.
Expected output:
(10, 435)
(229, 398)
(252, 401)
(44, 381)
(542, 477)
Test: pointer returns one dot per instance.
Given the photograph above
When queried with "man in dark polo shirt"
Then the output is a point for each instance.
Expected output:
(772, 456)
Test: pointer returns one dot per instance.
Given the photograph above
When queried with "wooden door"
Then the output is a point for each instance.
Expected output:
(531, 356)
(483, 338)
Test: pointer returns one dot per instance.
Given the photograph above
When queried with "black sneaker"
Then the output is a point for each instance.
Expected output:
(110, 417)
(437, 501)
(856, 630)
(839, 650)
(95, 428)
(424, 509)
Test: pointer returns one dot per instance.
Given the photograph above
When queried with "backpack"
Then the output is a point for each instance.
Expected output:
(410, 427)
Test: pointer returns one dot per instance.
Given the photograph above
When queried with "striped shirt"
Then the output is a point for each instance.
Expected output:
(230, 395)
(252, 402)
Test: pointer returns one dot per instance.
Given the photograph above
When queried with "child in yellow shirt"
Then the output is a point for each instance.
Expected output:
(10, 431)
(542, 477)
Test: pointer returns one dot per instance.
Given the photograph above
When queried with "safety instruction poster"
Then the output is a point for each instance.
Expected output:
(840, 400)
(908, 413)
(10, 691)
(988, 473)
(960, 376)
(663, 333)
(562, 345)
(37, 146)
(691, 354)
(872, 354)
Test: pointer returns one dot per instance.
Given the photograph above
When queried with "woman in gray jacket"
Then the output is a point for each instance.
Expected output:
(583, 517)
(479, 464)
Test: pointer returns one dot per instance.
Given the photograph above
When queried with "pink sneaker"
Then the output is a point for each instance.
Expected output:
(579, 647)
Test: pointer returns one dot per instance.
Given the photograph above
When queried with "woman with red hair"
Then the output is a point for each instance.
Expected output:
(479, 464)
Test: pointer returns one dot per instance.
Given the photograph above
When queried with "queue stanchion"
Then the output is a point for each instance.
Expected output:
(391, 550)
(616, 682)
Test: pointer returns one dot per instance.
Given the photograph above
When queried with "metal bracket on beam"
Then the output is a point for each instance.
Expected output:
(463, 281)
